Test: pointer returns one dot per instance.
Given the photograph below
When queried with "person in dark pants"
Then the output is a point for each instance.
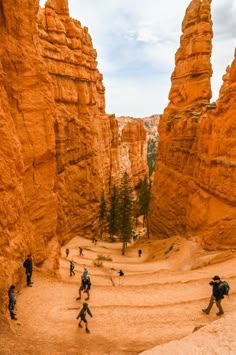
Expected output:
(140, 252)
(28, 265)
(82, 315)
(85, 287)
(12, 301)
(217, 296)
(72, 267)
(81, 251)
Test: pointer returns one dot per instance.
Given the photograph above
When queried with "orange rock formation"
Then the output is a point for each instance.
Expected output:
(59, 148)
(194, 186)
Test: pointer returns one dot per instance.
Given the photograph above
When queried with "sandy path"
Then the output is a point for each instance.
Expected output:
(154, 303)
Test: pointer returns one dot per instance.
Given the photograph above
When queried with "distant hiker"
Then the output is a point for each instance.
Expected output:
(67, 252)
(219, 289)
(140, 252)
(12, 301)
(121, 273)
(72, 267)
(81, 251)
(85, 273)
(85, 287)
(95, 241)
(28, 265)
(82, 315)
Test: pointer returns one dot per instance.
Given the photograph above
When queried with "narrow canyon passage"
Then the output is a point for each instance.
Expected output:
(154, 303)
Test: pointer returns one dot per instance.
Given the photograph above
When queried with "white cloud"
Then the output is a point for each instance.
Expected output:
(136, 43)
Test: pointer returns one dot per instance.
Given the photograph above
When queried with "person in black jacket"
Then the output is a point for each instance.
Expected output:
(217, 296)
(28, 265)
(82, 315)
(12, 301)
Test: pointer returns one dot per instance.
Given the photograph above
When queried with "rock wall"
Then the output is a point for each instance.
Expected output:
(194, 184)
(59, 148)
(133, 152)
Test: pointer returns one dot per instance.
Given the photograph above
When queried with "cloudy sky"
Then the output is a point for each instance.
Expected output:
(136, 41)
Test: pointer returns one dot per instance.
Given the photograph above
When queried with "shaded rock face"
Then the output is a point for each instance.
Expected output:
(194, 185)
(84, 133)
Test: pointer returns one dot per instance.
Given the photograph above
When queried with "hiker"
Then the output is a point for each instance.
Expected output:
(82, 315)
(95, 241)
(12, 301)
(72, 267)
(85, 273)
(121, 273)
(28, 265)
(218, 291)
(67, 252)
(140, 252)
(85, 287)
(81, 251)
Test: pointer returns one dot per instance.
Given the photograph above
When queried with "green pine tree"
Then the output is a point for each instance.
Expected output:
(144, 195)
(113, 213)
(125, 212)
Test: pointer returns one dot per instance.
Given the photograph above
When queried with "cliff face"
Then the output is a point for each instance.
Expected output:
(59, 148)
(133, 152)
(194, 184)
(84, 133)
(57, 143)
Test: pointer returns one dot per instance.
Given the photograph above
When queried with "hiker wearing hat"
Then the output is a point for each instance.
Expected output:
(82, 315)
(217, 295)
(12, 301)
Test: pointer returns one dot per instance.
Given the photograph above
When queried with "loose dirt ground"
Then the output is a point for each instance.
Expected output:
(158, 300)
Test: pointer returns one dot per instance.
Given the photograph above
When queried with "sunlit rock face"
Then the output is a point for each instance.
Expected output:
(57, 142)
(194, 186)
(28, 201)
(59, 149)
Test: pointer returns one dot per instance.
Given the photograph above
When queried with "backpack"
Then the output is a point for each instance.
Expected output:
(226, 287)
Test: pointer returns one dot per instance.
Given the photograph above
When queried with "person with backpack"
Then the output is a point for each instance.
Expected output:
(82, 315)
(85, 287)
(219, 289)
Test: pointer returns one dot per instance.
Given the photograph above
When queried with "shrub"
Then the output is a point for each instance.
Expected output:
(98, 263)
(104, 257)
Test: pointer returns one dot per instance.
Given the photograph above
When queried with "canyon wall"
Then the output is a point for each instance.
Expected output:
(59, 148)
(194, 185)
(133, 152)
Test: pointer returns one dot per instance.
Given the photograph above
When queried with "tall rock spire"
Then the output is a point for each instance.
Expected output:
(191, 77)
(178, 128)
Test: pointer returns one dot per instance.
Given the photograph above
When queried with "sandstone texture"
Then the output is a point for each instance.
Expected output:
(194, 184)
(133, 150)
(59, 148)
